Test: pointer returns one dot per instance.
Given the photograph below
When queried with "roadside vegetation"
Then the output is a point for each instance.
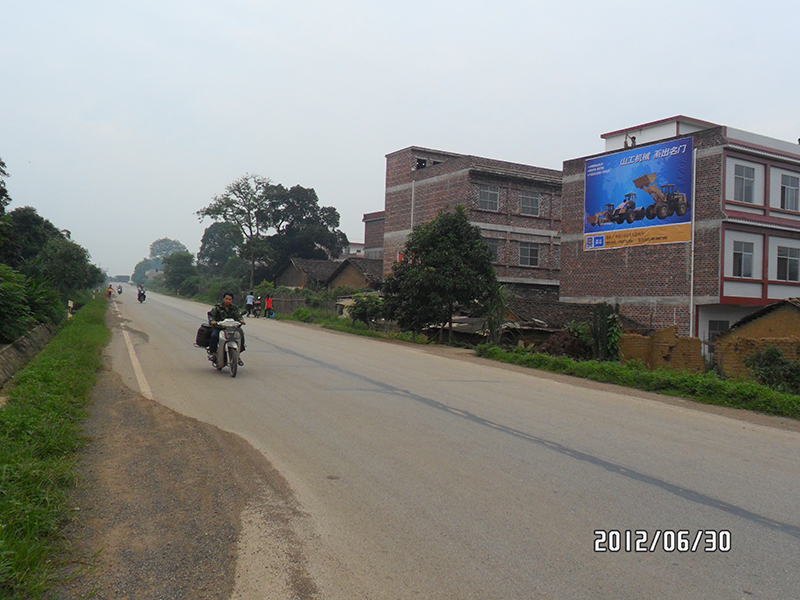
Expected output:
(39, 438)
(41, 268)
(708, 387)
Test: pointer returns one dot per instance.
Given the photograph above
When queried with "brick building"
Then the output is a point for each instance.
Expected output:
(736, 248)
(517, 207)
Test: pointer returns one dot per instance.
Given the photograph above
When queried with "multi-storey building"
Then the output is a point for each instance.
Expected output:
(703, 224)
(517, 207)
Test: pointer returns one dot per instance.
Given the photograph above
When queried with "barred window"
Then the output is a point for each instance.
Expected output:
(529, 203)
(489, 197)
(528, 254)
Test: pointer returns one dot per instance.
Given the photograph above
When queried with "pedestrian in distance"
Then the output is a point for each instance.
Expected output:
(249, 304)
(268, 313)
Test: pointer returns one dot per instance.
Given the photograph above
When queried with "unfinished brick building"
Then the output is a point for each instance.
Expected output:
(517, 207)
(735, 246)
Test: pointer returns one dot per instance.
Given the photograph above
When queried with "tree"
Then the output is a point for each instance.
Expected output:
(27, 233)
(221, 242)
(178, 267)
(163, 247)
(65, 265)
(240, 205)
(142, 267)
(5, 199)
(445, 264)
(304, 229)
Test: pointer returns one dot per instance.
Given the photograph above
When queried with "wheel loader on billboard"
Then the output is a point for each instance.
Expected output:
(668, 200)
(625, 211)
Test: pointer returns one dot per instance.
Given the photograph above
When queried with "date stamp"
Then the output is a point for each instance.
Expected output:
(665, 540)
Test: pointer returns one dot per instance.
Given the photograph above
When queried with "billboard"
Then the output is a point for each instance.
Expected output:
(640, 196)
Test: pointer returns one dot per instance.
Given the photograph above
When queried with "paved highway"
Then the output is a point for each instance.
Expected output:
(418, 473)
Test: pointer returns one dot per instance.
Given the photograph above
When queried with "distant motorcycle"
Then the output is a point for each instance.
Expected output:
(229, 347)
(119, 290)
(142, 296)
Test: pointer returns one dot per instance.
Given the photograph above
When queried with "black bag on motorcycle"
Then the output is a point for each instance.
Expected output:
(203, 335)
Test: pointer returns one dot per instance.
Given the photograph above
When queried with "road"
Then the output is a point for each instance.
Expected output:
(421, 473)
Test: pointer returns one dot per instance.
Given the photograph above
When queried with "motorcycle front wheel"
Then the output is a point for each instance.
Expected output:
(233, 360)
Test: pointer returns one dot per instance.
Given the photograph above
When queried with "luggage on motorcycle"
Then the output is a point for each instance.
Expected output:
(203, 335)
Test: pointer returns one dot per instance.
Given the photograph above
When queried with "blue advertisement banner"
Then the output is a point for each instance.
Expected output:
(640, 188)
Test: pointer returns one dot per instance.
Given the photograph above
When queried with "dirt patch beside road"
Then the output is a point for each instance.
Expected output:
(159, 509)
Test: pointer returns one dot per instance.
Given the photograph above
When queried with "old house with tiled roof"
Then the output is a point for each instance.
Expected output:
(777, 325)
(303, 273)
(358, 273)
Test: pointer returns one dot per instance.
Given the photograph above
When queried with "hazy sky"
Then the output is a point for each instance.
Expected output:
(119, 120)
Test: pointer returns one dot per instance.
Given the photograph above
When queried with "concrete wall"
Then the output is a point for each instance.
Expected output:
(16, 355)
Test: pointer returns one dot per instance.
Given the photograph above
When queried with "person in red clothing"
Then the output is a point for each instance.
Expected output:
(268, 308)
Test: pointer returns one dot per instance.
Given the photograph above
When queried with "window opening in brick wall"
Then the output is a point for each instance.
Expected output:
(790, 192)
(788, 263)
(529, 203)
(528, 254)
(742, 259)
(744, 184)
(494, 247)
(489, 197)
(715, 329)
(421, 163)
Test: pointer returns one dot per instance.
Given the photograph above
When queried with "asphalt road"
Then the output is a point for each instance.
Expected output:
(422, 473)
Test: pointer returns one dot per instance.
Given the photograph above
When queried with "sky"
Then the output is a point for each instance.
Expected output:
(120, 120)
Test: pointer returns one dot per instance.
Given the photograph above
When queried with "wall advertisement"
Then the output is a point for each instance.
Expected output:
(640, 196)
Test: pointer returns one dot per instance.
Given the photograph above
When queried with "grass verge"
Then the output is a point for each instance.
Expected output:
(706, 387)
(39, 439)
(330, 320)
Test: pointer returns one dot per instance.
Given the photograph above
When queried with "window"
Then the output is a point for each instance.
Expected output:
(494, 246)
(528, 254)
(790, 192)
(742, 259)
(489, 197)
(744, 184)
(788, 263)
(529, 203)
(715, 328)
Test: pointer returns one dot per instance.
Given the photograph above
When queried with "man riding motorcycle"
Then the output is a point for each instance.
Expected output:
(225, 310)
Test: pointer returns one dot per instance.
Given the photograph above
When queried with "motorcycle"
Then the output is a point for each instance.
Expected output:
(119, 290)
(229, 347)
(142, 296)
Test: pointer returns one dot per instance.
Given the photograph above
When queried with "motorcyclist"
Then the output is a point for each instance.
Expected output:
(224, 310)
(119, 290)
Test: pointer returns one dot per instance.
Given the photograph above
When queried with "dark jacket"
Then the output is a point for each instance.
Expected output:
(220, 313)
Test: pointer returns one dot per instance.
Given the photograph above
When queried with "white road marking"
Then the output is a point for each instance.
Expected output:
(144, 387)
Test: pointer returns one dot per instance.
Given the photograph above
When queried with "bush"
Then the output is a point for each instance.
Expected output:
(45, 304)
(705, 387)
(770, 368)
(17, 318)
(366, 309)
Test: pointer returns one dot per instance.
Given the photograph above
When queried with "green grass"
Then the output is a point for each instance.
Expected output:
(706, 387)
(39, 439)
(330, 320)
